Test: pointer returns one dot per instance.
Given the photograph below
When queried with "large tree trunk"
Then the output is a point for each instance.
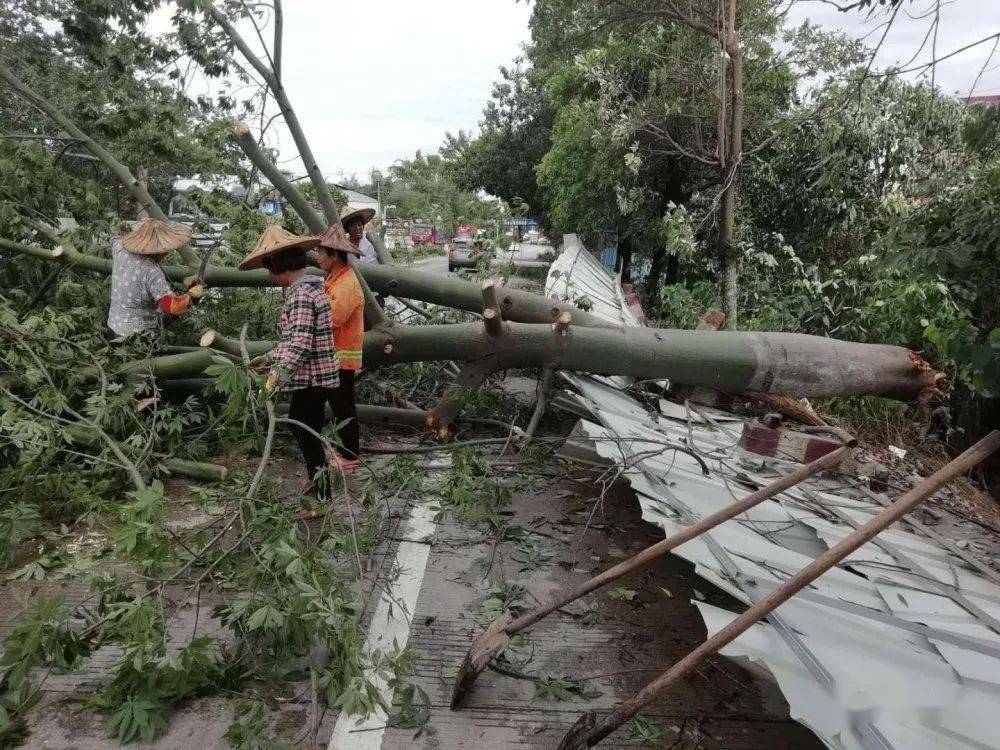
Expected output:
(792, 364)
(732, 140)
(516, 304)
(788, 363)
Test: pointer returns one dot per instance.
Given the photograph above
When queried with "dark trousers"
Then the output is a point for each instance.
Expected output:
(308, 406)
(345, 410)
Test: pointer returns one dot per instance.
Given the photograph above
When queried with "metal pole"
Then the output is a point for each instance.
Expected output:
(587, 732)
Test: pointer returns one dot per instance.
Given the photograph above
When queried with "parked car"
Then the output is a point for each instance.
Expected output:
(464, 252)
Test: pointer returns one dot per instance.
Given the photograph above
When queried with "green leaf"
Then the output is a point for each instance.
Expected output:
(626, 595)
(993, 339)
(265, 617)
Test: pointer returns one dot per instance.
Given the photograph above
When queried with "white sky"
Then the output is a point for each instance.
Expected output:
(372, 82)
(961, 22)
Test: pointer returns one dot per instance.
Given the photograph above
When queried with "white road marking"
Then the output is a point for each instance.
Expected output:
(390, 626)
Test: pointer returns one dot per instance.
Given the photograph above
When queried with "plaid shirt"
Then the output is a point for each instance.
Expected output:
(306, 357)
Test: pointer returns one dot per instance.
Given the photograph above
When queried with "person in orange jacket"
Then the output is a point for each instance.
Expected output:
(347, 302)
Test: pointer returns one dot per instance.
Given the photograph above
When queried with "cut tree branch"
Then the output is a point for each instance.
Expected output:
(273, 82)
(245, 140)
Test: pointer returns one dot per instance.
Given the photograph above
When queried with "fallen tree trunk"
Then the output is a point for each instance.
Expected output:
(790, 363)
(391, 280)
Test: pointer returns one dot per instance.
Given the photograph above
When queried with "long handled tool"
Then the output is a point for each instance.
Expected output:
(196, 284)
(588, 730)
(497, 635)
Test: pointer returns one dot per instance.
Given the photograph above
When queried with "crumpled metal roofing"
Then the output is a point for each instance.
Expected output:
(898, 647)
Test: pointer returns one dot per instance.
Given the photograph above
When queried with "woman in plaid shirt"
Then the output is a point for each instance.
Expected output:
(304, 362)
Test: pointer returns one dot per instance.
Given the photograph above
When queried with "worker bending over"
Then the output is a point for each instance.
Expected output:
(140, 296)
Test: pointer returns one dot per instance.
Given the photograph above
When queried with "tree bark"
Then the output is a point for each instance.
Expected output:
(729, 256)
(245, 140)
(789, 363)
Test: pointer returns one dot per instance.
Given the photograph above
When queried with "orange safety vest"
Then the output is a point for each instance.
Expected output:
(347, 304)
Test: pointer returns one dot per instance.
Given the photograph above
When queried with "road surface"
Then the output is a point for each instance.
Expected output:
(438, 264)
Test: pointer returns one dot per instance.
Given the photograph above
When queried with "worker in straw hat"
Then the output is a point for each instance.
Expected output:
(347, 304)
(353, 220)
(140, 294)
(304, 362)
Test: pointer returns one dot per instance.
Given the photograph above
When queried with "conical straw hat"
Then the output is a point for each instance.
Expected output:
(347, 214)
(335, 239)
(156, 237)
(273, 240)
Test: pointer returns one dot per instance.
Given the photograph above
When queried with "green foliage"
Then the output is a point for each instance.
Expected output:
(247, 732)
(471, 491)
(644, 730)
(41, 638)
(502, 598)
(121, 85)
(18, 521)
(423, 189)
(136, 719)
(681, 306)
(141, 536)
(553, 687)
(151, 677)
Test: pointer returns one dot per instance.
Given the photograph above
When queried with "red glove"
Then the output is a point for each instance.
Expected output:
(174, 305)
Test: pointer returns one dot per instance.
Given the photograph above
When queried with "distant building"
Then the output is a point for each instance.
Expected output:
(271, 202)
(990, 100)
(360, 200)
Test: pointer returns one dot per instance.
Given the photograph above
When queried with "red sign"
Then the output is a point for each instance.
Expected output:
(466, 230)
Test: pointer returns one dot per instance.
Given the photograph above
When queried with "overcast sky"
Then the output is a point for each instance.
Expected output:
(373, 82)
(962, 22)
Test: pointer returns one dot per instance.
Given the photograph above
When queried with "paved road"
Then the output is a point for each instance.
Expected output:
(435, 264)
(438, 264)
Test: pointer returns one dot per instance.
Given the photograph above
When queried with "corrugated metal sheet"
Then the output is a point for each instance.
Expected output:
(898, 647)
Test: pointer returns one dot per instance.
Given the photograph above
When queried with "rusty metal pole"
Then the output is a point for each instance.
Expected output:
(498, 633)
(588, 731)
